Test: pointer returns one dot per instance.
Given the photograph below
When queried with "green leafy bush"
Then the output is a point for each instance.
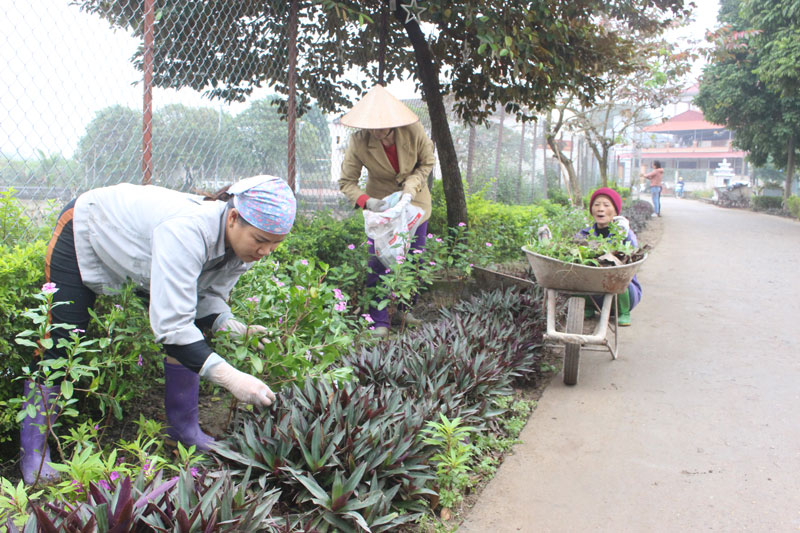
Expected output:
(308, 327)
(21, 276)
(322, 236)
(793, 205)
(763, 203)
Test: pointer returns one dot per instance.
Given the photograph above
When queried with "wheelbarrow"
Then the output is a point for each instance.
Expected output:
(736, 195)
(576, 281)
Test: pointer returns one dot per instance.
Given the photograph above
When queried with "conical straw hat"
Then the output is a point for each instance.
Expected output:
(378, 109)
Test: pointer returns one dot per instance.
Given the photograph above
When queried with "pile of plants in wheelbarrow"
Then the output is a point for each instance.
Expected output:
(569, 238)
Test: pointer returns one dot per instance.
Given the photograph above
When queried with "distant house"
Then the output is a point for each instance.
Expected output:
(689, 146)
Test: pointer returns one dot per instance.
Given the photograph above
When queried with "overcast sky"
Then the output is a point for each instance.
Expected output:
(59, 66)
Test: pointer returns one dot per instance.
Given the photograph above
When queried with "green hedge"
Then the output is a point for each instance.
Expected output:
(762, 203)
(506, 227)
(793, 205)
(21, 276)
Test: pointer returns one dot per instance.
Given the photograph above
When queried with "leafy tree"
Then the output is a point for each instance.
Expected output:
(110, 151)
(749, 86)
(261, 137)
(484, 54)
(187, 143)
(656, 77)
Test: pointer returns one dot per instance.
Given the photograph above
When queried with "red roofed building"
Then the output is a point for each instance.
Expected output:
(689, 146)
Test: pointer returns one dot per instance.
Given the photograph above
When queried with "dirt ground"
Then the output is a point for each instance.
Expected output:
(695, 426)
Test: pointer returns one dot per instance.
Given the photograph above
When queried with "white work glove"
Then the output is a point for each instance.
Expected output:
(376, 205)
(240, 330)
(404, 201)
(244, 387)
(544, 234)
(623, 223)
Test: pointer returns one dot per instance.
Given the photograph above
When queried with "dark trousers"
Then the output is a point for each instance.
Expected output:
(61, 268)
(377, 270)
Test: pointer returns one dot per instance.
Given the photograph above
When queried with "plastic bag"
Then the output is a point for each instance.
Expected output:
(392, 230)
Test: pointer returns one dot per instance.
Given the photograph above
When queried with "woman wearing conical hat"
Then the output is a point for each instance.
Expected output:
(398, 156)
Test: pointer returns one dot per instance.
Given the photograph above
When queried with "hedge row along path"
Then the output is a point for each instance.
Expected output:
(697, 425)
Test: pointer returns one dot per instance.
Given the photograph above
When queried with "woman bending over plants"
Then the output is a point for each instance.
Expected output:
(187, 254)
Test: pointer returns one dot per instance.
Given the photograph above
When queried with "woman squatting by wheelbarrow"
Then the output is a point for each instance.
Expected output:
(605, 206)
(186, 252)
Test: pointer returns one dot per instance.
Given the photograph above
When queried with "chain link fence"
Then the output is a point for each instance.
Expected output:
(72, 117)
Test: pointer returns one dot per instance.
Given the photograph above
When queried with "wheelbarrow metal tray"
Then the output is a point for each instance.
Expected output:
(555, 274)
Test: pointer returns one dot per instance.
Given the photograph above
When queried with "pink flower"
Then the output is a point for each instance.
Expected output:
(280, 283)
(117, 306)
(140, 362)
(78, 330)
(114, 476)
(254, 299)
(77, 484)
(470, 265)
(438, 240)
(49, 288)
(303, 262)
(488, 245)
(461, 224)
(340, 306)
(372, 327)
(103, 483)
(338, 294)
(368, 318)
(96, 427)
(194, 471)
(280, 320)
(416, 251)
(299, 287)
(430, 235)
(432, 263)
(401, 259)
(387, 271)
(308, 355)
(351, 246)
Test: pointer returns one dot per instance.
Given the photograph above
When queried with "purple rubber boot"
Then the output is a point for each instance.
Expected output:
(33, 439)
(181, 391)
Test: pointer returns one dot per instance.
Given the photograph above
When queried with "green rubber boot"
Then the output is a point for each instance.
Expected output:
(588, 308)
(624, 303)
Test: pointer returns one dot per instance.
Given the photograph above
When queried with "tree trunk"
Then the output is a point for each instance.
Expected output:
(499, 151)
(601, 154)
(545, 132)
(448, 160)
(519, 164)
(566, 163)
(533, 160)
(787, 188)
(470, 157)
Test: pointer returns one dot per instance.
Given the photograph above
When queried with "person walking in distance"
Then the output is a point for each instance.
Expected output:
(655, 178)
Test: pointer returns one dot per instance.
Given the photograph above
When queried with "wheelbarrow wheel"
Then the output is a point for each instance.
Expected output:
(572, 352)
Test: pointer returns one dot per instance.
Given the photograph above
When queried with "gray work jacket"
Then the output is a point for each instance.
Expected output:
(169, 243)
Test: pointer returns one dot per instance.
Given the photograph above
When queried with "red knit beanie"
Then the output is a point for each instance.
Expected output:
(611, 194)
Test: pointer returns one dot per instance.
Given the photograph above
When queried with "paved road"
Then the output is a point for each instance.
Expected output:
(697, 426)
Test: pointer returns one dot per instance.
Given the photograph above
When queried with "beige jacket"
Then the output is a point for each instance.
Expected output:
(415, 158)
